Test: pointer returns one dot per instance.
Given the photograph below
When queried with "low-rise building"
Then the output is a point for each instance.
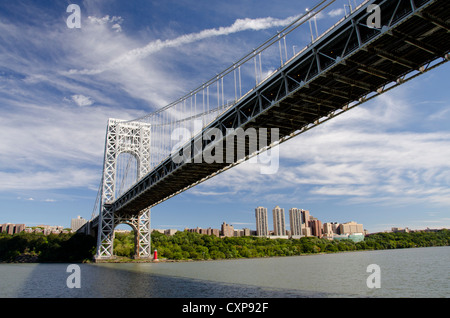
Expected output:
(11, 229)
(77, 223)
(227, 230)
(356, 237)
(350, 228)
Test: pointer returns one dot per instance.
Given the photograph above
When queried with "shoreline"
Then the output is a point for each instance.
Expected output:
(126, 260)
(191, 247)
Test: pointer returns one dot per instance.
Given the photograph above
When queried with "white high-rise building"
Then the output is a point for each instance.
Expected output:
(279, 224)
(262, 226)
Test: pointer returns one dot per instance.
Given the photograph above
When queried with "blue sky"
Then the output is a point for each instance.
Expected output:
(382, 164)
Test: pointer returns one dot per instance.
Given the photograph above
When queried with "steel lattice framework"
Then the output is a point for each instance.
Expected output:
(133, 138)
(349, 64)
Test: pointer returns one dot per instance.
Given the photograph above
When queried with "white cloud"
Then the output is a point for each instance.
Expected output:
(116, 27)
(96, 20)
(63, 149)
(444, 114)
(365, 156)
(336, 12)
(155, 46)
(62, 178)
(355, 155)
(115, 21)
(209, 193)
(82, 100)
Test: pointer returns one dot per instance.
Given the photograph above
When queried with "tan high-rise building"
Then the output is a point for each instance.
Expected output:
(279, 223)
(316, 227)
(328, 229)
(305, 216)
(262, 225)
(331, 228)
(336, 227)
(300, 222)
(295, 221)
(306, 230)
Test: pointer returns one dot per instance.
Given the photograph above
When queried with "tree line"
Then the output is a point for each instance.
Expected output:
(37, 247)
(34, 247)
(187, 245)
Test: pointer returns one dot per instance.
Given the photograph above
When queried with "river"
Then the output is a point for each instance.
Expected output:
(410, 273)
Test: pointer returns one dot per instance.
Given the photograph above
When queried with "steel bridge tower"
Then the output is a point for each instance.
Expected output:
(132, 138)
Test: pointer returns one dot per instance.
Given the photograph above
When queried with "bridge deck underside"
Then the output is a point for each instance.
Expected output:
(348, 64)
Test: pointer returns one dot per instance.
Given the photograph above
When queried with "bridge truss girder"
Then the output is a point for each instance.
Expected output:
(352, 64)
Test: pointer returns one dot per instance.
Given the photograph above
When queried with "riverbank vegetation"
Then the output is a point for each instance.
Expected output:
(37, 247)
(28, 247)
(185, 245)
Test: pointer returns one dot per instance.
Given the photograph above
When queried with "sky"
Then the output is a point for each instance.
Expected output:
(383, 164)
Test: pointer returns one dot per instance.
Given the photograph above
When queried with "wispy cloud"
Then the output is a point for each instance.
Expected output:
(115, 21)
(155, 46)
(209, 193)
(71, 177)
(365, 156)
(336, 12)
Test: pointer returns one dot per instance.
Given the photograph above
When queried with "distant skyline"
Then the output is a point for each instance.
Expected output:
(384, 164)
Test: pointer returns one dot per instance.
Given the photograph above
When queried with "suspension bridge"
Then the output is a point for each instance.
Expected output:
(377, 46)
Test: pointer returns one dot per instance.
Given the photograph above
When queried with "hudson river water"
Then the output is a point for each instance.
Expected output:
(411, 273)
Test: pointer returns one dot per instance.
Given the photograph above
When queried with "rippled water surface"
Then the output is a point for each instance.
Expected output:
(420, 272)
